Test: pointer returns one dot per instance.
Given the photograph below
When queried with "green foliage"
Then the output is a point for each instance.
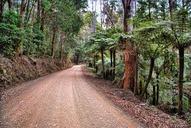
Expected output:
(152, 40)
(120, 68)
(34, 42)
(9, 38)
(88, 18)
(33, 35)
(10, 17)
(9, 33)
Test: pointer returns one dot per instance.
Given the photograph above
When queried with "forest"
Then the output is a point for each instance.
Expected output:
(144, 46)
(139, 45)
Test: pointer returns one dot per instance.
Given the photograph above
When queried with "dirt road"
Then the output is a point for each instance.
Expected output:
(62, 100)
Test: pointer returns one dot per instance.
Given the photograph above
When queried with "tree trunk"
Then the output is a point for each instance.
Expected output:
(111, 63)
(19, 48)
(114, 63)
(152, 63)
(27, 12)
(62, 36)
(190, 104)
(38, 11)
(130, 67)
(10, 4)
(157, 98)
(103, 63)
(126, 13)
(163, 6)
(140, 87)
(94, 61)
(42, 19)
(101, 11)
(77, 59)
(61, 51)
(136, 76)
(146, 94)
(154, 95)
(96, 67)
(149, 2)
(172, 6)
(53, 43)
(130, 56)
(2, 3)
(180, 81)
(183, 27)
(30, 11)
(22, 12)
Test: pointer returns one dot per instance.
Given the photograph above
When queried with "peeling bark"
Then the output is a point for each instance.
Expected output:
(130, 68)
(129, 53)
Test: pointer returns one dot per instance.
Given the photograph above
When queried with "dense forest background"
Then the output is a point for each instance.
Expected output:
(144, 46)
(36, 27)
(141, 45)
(37, 37)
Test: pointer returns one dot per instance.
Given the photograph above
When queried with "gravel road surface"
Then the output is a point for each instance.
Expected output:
(65, 99)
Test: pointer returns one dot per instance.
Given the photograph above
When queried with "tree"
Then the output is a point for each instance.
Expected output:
(21, 26)
(130, 53)
(153, 41)
(2, 3)
(37, 19)
(126, 14)
(182, 40)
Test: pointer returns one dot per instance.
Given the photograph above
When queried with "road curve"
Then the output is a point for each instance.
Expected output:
(63, 100)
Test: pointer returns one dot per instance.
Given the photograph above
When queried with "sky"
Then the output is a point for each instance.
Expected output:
(97, 8)
(97, 5)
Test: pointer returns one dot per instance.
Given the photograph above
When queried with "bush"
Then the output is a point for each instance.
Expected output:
(33, 41)
(9, 33)
(9, 38)
(11, 17)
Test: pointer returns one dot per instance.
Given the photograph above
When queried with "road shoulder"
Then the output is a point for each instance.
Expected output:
(150, 116)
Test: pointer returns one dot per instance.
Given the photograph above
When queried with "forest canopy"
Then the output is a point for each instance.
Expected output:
(36, 27)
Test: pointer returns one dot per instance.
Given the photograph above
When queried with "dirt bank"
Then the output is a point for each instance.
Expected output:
(148, 115)
(19, 69)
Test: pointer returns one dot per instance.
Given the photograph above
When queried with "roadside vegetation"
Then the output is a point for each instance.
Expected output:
(139, 45)
(143, 46)
(37, 37)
